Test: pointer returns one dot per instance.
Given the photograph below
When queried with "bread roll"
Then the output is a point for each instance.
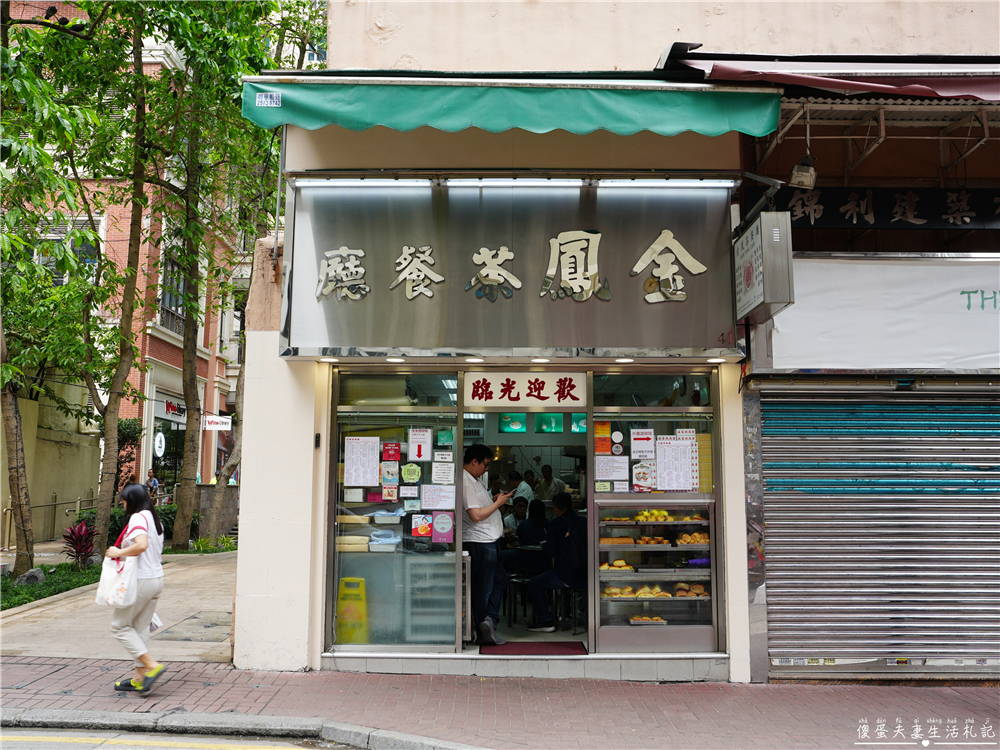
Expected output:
(681, 586)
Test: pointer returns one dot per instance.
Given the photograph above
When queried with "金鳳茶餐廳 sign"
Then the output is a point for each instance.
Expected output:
(509, 268)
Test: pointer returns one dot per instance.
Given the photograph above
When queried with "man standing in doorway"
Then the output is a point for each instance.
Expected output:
(549, 486)
(481, 535)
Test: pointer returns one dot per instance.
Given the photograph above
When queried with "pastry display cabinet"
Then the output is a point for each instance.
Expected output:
(655, 577)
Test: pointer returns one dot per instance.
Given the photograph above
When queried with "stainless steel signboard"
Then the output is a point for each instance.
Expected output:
(762, 259)
(508, 269)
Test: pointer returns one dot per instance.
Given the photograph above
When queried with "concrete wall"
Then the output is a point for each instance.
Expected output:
(477, 35)
(280, 573)
(60, 463)
(230, 506)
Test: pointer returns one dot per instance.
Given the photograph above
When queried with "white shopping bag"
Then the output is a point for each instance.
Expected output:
(119, 582)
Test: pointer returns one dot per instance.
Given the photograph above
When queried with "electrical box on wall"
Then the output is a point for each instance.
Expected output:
(762, 264)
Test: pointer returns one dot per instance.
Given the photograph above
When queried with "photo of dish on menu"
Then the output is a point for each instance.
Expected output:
(644, 476)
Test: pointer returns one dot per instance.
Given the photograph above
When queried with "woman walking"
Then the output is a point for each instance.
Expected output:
(143, 537)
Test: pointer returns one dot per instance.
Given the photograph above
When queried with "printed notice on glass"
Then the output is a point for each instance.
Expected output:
(443, 473)
(673, 463)
(412, 490)
(421, 440)
(361, 467)
(438, 497)
(643, 445)
(611, 468)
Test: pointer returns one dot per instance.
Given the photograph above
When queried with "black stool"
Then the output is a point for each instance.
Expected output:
(572, 598)
(516, 583)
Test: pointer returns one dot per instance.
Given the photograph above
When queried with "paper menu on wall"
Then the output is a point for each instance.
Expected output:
(695, 461)
(644, 476)
(361, 464)
(610, 468)
(673, 463)
(438, 497)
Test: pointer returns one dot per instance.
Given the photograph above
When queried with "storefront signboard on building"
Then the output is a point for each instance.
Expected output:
(514, 269)
(887, 208)
(549, 389)
(217, 422)
(762, 259)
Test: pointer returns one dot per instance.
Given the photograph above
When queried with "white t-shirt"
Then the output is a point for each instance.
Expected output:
(150, 565)
(545, 493)
(475, 496)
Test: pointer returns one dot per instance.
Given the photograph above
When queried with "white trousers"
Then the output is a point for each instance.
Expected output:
(130, 625)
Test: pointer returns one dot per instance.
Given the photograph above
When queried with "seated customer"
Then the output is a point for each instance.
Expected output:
(531, 533)
(567, 543)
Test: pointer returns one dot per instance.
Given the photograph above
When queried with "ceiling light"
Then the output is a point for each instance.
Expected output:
(474, 359)
(329, 359)
(394, 359)
(539, 360)
(715, 361)
(624, 359)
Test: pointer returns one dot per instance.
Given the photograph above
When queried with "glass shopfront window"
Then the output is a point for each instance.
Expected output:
(639, 468)
(168, 466)
(395, 543)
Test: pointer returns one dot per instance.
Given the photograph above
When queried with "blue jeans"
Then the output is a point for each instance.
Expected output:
(539, 585)
(489, 579)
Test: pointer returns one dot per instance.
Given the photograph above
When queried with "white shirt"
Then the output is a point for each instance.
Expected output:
(150, 565)
(523, 490)
(475, 496)
(545, 493)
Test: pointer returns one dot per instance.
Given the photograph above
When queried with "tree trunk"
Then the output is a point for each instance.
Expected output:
(17, 476)
(192, 310)
(219, 491)
(126, 355)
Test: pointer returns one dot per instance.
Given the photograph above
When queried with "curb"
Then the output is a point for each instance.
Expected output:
(226, 724)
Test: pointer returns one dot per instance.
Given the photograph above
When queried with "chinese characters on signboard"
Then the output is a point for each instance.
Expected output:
(573, 271)
(889, 208)
(526, 389)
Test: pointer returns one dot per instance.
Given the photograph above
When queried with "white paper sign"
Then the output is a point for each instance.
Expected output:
(643, 445)
(354, 495)
(438, 497)
(611, 468)
(361, 461)
(410, 504)
(692, 435)
(443, 473)
(421, 443)
(673, 463)
(621, 487)
(410, 490)
(444, 456)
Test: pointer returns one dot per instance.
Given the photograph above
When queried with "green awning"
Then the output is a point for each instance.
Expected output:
(495, 106)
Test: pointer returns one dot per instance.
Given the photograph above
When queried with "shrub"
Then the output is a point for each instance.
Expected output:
(167, 513)
(226, 543)
(66, 576)
(203, 544)
(78, 543)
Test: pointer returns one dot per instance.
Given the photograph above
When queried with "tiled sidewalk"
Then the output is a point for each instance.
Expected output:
(529, 713)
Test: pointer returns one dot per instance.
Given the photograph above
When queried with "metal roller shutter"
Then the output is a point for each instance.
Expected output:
(883, 525)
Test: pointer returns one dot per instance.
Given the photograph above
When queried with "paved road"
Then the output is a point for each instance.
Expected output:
(49, 739)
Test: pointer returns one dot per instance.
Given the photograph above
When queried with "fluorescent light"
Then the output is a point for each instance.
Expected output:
(474, 359)
(449, 383)
(624, 359)
(715, 360)
(394, 359)
(539, 360)
(667, 183)
(335, 183)
(508, 183)
(329, 359)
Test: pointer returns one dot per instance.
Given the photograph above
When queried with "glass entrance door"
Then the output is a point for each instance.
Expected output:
(538, 455)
